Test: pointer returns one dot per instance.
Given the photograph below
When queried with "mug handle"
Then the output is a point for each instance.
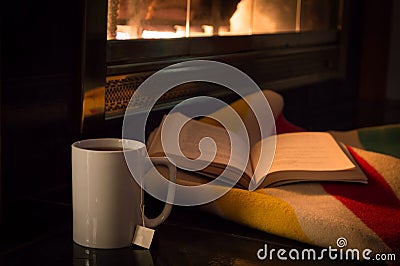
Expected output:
(153, 222)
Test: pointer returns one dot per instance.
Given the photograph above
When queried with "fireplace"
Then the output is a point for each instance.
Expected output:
(280, 44)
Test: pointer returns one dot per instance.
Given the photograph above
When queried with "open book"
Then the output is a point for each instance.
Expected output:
(298, 157)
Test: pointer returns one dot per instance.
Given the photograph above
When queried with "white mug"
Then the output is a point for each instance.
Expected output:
(106, 199)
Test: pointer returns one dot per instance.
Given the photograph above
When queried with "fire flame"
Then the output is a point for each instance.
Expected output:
(248, 18)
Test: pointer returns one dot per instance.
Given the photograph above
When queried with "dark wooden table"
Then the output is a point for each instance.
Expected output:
(38, 231)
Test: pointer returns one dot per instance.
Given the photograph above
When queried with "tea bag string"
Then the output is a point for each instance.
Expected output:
(142, 201)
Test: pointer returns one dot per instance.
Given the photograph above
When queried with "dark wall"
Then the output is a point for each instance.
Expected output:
(40, 85)
(333, 104)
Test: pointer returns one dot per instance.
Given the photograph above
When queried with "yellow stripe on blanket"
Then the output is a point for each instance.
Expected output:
(259, 211)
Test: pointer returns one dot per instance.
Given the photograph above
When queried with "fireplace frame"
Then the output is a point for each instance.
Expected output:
(273, 61)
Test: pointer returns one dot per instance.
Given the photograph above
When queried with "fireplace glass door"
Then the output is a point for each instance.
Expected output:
(154, 19)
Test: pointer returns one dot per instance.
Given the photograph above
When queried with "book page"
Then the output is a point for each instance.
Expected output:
(191, 134)
(309, 151)
(355, 174)
(262, 156)
(302, 151)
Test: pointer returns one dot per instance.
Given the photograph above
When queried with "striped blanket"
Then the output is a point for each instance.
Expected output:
(368, 216)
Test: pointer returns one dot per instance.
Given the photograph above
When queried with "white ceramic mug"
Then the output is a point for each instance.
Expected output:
(106, 199)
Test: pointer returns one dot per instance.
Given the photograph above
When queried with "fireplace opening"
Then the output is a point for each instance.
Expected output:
(280, 44)
(147, 19)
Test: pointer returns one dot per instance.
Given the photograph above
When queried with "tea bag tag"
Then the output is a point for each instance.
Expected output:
(143, 236)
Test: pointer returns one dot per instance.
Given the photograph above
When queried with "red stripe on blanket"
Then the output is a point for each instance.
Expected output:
(375, 203)
(284, 126)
